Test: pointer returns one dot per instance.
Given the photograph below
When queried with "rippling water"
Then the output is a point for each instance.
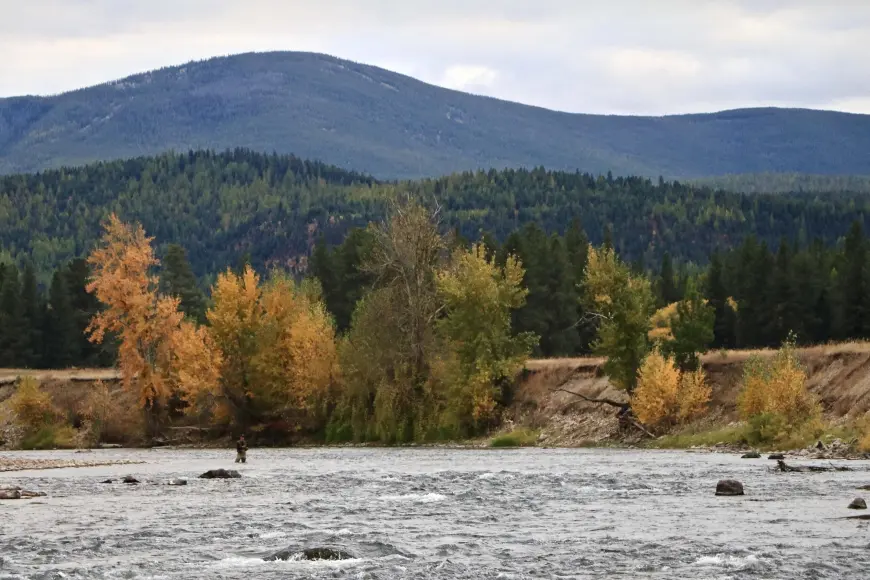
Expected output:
(435, 513)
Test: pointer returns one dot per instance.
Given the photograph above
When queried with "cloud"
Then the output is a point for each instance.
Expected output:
(621, 56)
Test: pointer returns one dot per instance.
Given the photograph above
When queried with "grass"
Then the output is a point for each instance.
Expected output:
(516, 438)
(692, 437)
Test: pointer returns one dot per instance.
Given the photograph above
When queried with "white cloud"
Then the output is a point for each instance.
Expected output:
(621, 56)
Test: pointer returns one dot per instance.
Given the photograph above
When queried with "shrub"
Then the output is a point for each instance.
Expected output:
(32, 406)
(111, 417)
(51, 437)
(665, 396)
(778, 387)
(516, 438)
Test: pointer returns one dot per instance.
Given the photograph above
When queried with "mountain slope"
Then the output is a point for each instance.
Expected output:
(389, 125)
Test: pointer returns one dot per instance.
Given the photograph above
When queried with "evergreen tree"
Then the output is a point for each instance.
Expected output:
(692, 328)
(723, 314)
(31, 319)
(177, 280)
(13, 328)
(853, 284)
(784, 296)
(668, 293)
(62, 342)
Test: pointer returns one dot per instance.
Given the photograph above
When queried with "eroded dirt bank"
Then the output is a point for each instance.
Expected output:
(839, 375)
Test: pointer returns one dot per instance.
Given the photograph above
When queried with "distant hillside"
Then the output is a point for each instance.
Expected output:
(787, 183)
(368, 119)
(272, 209)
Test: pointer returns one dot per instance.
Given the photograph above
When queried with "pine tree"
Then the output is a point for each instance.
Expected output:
(13, 330)
(85, 305)
(784, 297)
(177, 280)
(668, 293)
(61, 340)
(717, 295)
(853, 284)
(31, 313)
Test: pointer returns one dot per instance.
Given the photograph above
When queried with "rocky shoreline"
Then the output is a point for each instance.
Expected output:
(28, 463)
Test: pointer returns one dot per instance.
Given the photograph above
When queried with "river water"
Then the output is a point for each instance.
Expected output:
(434, 513)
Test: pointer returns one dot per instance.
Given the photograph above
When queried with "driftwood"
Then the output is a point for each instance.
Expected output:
(624, 414)
(783, 466)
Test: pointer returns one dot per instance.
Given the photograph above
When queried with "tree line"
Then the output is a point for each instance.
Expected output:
(269, 210)
(759, 293)
(409, 332)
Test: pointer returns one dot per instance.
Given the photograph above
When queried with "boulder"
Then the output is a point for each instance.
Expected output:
(751, 455)
(858, 504)
(177, 482)
(778, 456)
(130, 480)
(108, 481)
(729, 487)
(10, 493)
(221, 474)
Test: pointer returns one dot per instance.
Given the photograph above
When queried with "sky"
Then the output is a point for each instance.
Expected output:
(614, 56)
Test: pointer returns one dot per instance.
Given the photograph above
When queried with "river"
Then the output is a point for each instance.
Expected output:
(434, 513)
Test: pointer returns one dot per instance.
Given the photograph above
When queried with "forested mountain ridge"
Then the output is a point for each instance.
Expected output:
(369, 119)
(271, 209)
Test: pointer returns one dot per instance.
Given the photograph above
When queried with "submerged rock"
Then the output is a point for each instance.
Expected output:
(108, 481)
(776, 456)
(177, 482)
(221, 474)
(751, 455)
(865, 487)
(18, 493)
(858, 504)
(729, 487)
(130, 480)
(316, 553)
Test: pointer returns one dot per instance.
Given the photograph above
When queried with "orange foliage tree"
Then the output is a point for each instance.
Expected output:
(277, 347)
(149, 326)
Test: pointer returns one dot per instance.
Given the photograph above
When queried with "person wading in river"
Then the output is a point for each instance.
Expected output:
(241, 450)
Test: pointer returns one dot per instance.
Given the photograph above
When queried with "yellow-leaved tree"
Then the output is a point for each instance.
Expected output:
(276, 344)
(149, 326)
(774, 397)
(483, 353)
(665, 396)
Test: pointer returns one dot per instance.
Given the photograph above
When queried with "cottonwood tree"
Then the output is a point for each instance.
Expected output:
(623, 303)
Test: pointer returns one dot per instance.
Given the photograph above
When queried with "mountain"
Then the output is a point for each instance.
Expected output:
(372, 120)
(272, 209)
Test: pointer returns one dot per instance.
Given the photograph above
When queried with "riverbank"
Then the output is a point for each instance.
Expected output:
(546, 411)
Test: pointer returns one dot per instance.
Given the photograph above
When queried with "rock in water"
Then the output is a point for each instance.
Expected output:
(18, 493)
(776, 456)
(221, 474)
(316, 553)
(858, 504)
(751, 455)
(108, 481)
(729, 487)
(10, 494)
(130, 479)
(177, 482)
(865, 487)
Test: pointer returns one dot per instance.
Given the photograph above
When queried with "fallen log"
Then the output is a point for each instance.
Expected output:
(624, 414)
(783, 466)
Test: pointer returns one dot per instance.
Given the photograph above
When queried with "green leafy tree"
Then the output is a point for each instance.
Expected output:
(623, 303)
(483, 356)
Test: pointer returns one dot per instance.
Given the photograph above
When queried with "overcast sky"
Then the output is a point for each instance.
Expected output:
(610, 56)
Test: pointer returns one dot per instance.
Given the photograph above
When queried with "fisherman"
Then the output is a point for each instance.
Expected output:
(241, 450)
